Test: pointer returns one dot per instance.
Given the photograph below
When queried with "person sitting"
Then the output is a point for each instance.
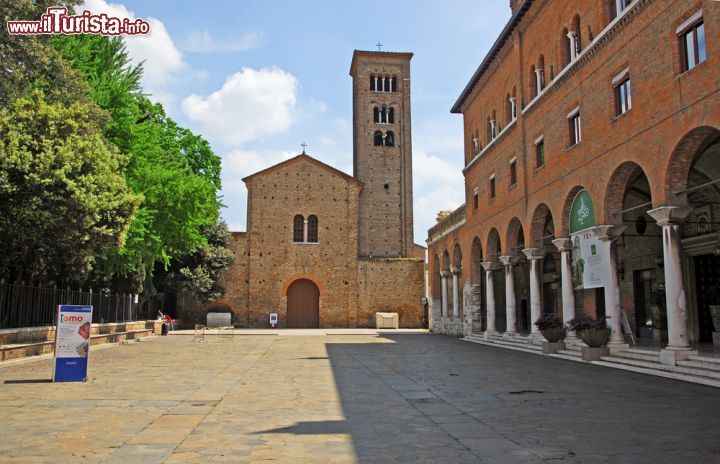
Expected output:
(169, 322)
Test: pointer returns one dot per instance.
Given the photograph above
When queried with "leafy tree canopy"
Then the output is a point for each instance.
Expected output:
(63, 197)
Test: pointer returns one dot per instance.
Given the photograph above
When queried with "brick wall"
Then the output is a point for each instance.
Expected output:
(304, 187)
(391, 285)
(386, 214)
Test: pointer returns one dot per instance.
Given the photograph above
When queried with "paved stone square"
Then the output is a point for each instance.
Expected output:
(416, 398)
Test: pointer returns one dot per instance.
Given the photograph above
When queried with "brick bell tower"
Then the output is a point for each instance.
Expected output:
(382, 152)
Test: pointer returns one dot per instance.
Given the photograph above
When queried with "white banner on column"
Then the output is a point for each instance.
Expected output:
(587, 262)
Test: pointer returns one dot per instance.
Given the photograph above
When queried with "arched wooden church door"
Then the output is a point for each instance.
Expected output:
(303, 305)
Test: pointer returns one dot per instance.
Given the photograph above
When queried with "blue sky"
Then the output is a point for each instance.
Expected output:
(258, 78)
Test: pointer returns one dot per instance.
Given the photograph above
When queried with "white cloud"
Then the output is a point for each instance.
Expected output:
(430, 169)
(203, 42)
(239, 163)
(427, 205)
(162, 60)
(438, 185)
(249, 104)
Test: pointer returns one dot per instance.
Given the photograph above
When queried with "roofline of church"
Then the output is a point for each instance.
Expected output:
(376, 54)
(308, 158)
(494, 50)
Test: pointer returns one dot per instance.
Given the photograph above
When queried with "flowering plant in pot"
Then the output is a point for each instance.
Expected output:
(552, 327)
(595, 333)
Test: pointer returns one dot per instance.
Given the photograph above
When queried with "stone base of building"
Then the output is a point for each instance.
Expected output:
(456, 328)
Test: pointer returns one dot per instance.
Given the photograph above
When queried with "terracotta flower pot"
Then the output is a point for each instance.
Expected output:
(595, 338)
(554, 334)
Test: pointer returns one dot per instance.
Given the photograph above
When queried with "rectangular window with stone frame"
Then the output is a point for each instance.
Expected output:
(575, 127)
(691, 35)
(539, 153)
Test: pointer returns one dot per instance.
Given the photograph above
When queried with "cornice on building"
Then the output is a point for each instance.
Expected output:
(448, 224)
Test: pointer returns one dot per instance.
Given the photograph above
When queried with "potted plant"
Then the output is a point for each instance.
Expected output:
(595, 334)
(712, 296)
(553, 330)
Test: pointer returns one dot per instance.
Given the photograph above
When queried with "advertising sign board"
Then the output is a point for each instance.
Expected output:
(72, 343)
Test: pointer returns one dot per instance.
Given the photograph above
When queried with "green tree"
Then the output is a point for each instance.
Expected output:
(114, 82)
(199, 274)
(178, 202)
(63, 198)
(174, 170)
(29, 62)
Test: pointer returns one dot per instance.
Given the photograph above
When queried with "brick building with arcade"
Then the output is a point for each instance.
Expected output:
(593, 122)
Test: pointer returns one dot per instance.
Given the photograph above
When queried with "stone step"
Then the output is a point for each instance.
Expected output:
(642, 351)
(522, 342)
(662, 367)
(700, 365)
(639, 355)
(570, 353)
(660, 373)
(526, 348)
(563, 354)
(706, 359)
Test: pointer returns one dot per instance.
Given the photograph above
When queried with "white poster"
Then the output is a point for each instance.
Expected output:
(588, 265)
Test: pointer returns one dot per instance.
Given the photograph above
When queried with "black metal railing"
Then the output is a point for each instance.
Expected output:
(23, 305)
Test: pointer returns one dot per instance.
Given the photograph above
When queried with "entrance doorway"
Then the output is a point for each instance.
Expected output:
(642, 282)
(707, 272)
(303, 305)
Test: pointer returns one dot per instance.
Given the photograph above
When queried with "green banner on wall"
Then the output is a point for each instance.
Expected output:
(582, 212)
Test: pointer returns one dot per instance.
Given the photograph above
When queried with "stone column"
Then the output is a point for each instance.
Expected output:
(564, 245)
(607, 235)
(471, 309)
(510, 316)
(305, 230)
(444, 303)
(670, 218)
(456, 291)
(489, 267)
(535, 255)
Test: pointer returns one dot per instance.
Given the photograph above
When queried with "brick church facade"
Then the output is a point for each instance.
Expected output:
(326, 249)
(551, 122)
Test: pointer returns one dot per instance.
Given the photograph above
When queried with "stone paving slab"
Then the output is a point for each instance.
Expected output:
(375, 398)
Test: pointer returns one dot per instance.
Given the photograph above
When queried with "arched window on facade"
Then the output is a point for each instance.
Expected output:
(376, 115)
(541, 73)
(372, 83)
(387, 83)
(389, 139)
(533, 82)
(378, 138)
(508, 109)
(577, 32)
(566, 46)
(394, 84)
(313, 229)
(494, 129)
(384, 114)
(391, 115)
(299, 228)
